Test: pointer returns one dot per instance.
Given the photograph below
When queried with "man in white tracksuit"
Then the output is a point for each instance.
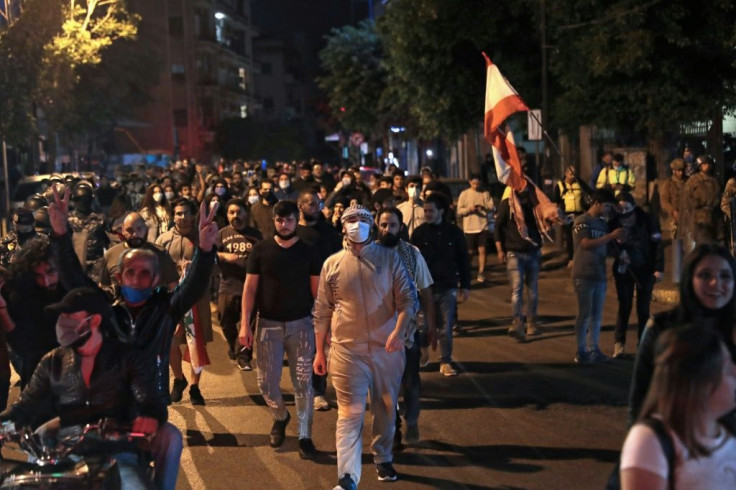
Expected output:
(366, 298)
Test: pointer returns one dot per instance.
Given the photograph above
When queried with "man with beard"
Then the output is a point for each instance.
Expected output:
(366, 299)
(313, 229)
(22, 232)
(181, 243)
(234, 244)
(33, 284)
(261, 213)
(145, 317)
(281, 284)
(135, 233)
(389, 231)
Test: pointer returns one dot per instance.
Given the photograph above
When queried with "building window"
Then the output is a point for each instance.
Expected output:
(242, 78)
(220, 29)
(176, 27)
(181, 119)
(243, 111)
(178, 72)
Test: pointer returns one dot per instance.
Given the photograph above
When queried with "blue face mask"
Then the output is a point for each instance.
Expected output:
(132, 295)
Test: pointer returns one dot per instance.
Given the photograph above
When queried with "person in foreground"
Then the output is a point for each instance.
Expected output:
(366, 299)
(706, 298)
(92, 375)
(693, 386)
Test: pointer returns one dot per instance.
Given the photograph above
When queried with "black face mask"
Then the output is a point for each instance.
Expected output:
(389, 240)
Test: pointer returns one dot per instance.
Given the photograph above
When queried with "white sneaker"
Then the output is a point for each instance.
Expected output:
(447, 369)
(321, 404)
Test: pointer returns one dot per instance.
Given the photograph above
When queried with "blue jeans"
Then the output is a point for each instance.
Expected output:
(445, 303)
(132, 474)
(591, 297)
(166, 449)
(523, 269)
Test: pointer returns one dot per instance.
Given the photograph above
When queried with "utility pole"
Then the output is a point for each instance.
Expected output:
(545, 105)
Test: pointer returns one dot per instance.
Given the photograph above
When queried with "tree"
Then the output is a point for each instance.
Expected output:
(49, 55)
(643, 67)
(433, 50)
(355, 78)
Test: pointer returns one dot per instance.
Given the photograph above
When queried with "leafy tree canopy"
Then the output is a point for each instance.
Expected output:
(642, 66)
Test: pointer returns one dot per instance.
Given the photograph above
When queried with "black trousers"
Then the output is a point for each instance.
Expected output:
(640, 280)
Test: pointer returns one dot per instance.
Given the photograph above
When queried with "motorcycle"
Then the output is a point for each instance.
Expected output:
(80, 458)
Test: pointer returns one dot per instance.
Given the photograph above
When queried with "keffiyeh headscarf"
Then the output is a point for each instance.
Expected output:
(361, 212)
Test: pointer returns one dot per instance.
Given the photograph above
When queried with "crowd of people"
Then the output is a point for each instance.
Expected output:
(352, 273)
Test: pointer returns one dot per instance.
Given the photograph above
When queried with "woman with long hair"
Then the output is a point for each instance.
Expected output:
(692, 388)
(706, 299)
(156, 211)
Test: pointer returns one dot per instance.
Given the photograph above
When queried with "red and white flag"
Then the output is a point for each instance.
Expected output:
(502, 101)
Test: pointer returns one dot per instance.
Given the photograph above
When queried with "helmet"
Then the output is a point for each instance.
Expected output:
(41, 217)
(35, 201)
(677, 164)
(83, 190)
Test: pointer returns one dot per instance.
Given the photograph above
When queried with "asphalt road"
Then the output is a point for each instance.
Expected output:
(517, 416)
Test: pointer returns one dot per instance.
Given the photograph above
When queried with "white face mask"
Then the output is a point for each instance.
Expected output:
(346, 182)
(284, 184)
(158, 197)
(169, 196)
(358, 232)
(413, 192)
(253, 199)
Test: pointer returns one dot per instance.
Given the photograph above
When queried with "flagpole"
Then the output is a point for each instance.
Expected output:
(549, 138)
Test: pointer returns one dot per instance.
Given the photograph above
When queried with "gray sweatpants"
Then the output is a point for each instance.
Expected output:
(296, 338)
(356, 377)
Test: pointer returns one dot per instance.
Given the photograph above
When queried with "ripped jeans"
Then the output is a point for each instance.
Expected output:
(296, 338)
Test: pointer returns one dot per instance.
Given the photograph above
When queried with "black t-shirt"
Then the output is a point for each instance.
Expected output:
(284, 290)
(323, 236)
(229, 240)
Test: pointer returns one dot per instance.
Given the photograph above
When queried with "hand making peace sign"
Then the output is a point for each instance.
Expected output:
(59, 211)
(207, 227)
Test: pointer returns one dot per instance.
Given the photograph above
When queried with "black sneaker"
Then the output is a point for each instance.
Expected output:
(195, 395)
(386, 472)
(345, 483)
(177, 391)
(307, 449)
(244, 364)
(278, 431)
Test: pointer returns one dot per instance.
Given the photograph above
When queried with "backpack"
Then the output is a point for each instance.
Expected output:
(668, 447)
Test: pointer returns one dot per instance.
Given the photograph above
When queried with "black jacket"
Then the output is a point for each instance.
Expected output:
(644, 244)
(446, 253)
(153, 327)
(122, 387)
